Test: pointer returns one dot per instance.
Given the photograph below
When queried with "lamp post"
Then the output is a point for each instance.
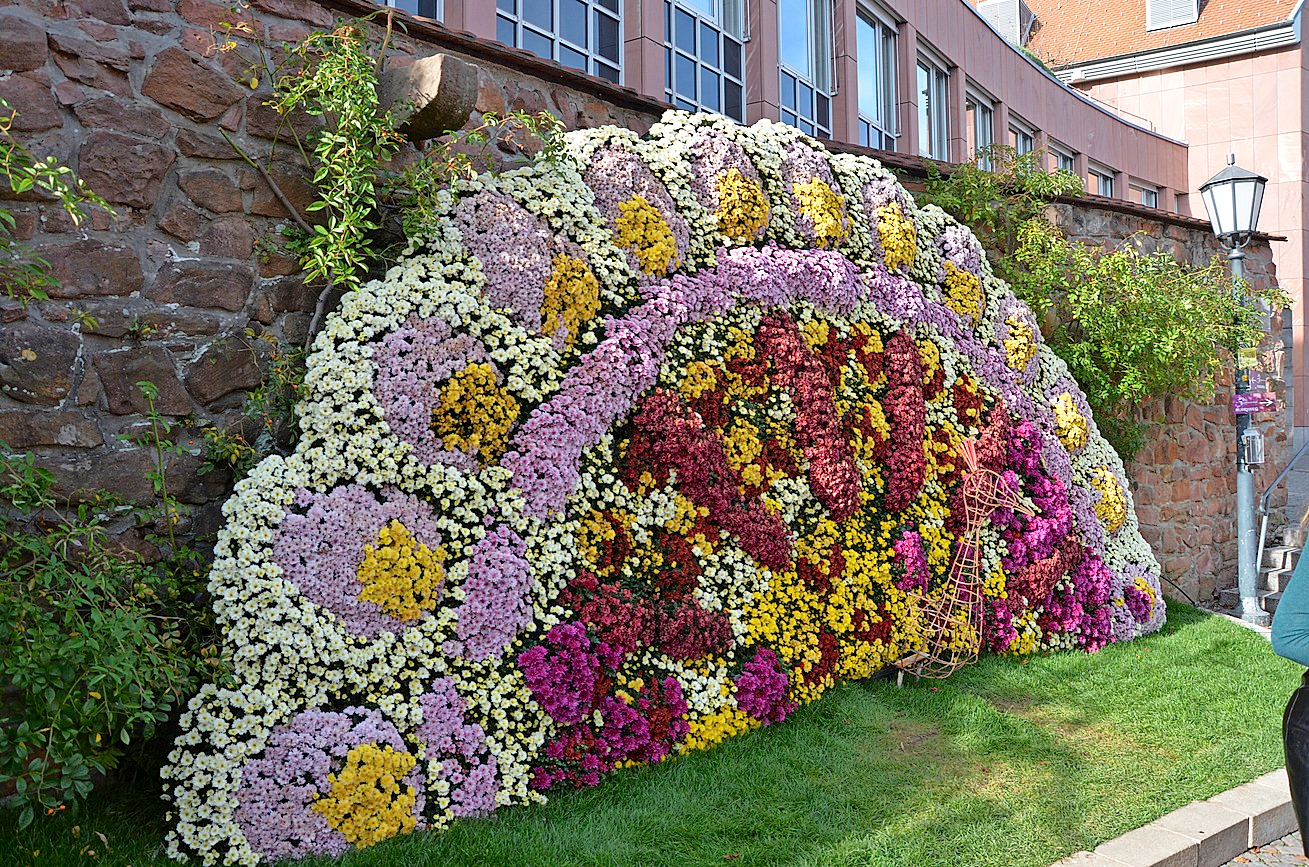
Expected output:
(1233, 197)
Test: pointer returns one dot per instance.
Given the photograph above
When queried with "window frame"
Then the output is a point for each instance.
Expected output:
(719, 24)
(1145, 192)
(436, 6)
(981, 107)
(938, 134)
(1062, 155)
(878, 132)
(596, 64)
(1104, 179)
(1020, 131)
(810, 108)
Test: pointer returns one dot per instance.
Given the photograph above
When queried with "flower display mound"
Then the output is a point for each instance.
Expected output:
(643, 445)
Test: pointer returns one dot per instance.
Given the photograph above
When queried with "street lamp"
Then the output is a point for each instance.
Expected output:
(1233, 197)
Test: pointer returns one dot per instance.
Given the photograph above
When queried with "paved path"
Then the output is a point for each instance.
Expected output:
(1285, 852)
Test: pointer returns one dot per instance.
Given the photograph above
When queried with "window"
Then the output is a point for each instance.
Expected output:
(425, 8)
(1100, 181)
(1063, 159)
(1170, 13)
(703, 50)
(981, 115)
(876, 66)
(933, 116)
(583, 34)
(804, 35)
(1145, 195)
(1021, 136)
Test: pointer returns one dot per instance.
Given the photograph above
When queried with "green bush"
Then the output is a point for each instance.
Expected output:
(97, 647)
(1131, 326)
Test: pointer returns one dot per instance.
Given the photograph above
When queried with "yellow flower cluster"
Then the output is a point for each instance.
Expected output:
(1020, 345)
(475, 413)
(743, 449)
(712, 729)
(699, 377)
(572, 297)
(401, 575)
(995, 586)
(825, 208)
(930, 354)
(1029, 635)
(644, 231)
(963, 292)
(742, 206)
(1070, 425)
(815, 333)
(595, 532)
(368, 802)
(899, 238)
(1111, 508)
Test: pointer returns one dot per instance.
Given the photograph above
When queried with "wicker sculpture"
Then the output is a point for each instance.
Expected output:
(952, 621)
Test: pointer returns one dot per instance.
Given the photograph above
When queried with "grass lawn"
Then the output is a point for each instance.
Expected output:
(1005, 764)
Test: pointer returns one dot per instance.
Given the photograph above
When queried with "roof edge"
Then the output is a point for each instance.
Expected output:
(1255, 39)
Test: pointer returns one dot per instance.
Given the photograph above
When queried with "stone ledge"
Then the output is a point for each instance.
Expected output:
(1203, 833)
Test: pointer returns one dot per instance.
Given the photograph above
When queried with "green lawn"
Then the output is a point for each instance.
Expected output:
(1005, 764)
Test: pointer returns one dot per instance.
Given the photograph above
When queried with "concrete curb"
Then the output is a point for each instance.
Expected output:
(1203, 833)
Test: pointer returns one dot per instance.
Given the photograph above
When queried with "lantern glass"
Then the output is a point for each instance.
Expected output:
(1233, 198)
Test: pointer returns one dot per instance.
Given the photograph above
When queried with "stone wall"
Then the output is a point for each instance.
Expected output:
(129, 93)
(1184, 479)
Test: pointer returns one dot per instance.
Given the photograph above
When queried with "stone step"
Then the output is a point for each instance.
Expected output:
(1280, 557)
(1273, 579)
(1230, 599)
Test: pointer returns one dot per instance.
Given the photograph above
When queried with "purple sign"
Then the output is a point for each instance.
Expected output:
(1254, 401)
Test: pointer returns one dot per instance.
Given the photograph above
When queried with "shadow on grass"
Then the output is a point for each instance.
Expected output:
(1008, 763)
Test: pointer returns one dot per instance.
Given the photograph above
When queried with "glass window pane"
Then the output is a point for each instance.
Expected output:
(538, 44)
(732, 57)
(924, 115)
(804, 98)
(824, 109)
(504, 31)
(709, 89)
(788, 117)
(733, 103)
(611, 5)
(668, 69)
(410, 6)
(793, 34)
(705, 6)
(685, 35)
(788, 91)
(607, 72)
(868, 68)
(509, 6)
(806, 127)
(574, 59)
(685, 76)
(540, 13)
(606, 37)
(684, 105)
(708, 45)
(572, 21)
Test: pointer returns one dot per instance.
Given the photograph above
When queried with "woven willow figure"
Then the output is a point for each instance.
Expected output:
(952, 621)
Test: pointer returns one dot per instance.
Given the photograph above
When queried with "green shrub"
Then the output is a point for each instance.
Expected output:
(97, 647)
(1131, 326)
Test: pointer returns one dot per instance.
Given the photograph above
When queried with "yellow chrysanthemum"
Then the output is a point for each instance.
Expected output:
(1070, 425)
(1111, 508)
(742, 206)
(401, 575)
(825, 208)
(963, 292)
(1020, 345)
(898, 235)
(572, 297)
(475, 413)
(700, 377)
(644, 231)
(368, 801)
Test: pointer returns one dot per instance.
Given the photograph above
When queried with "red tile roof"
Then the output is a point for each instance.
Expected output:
(1073, 31)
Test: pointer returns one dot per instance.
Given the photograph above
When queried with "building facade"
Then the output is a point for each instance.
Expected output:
(1225, 77)
(917, 77)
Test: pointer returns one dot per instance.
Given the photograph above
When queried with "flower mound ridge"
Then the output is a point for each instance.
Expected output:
(646, 444)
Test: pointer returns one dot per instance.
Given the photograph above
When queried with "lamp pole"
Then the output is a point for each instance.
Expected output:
(1246, 544)
(1233, 198)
